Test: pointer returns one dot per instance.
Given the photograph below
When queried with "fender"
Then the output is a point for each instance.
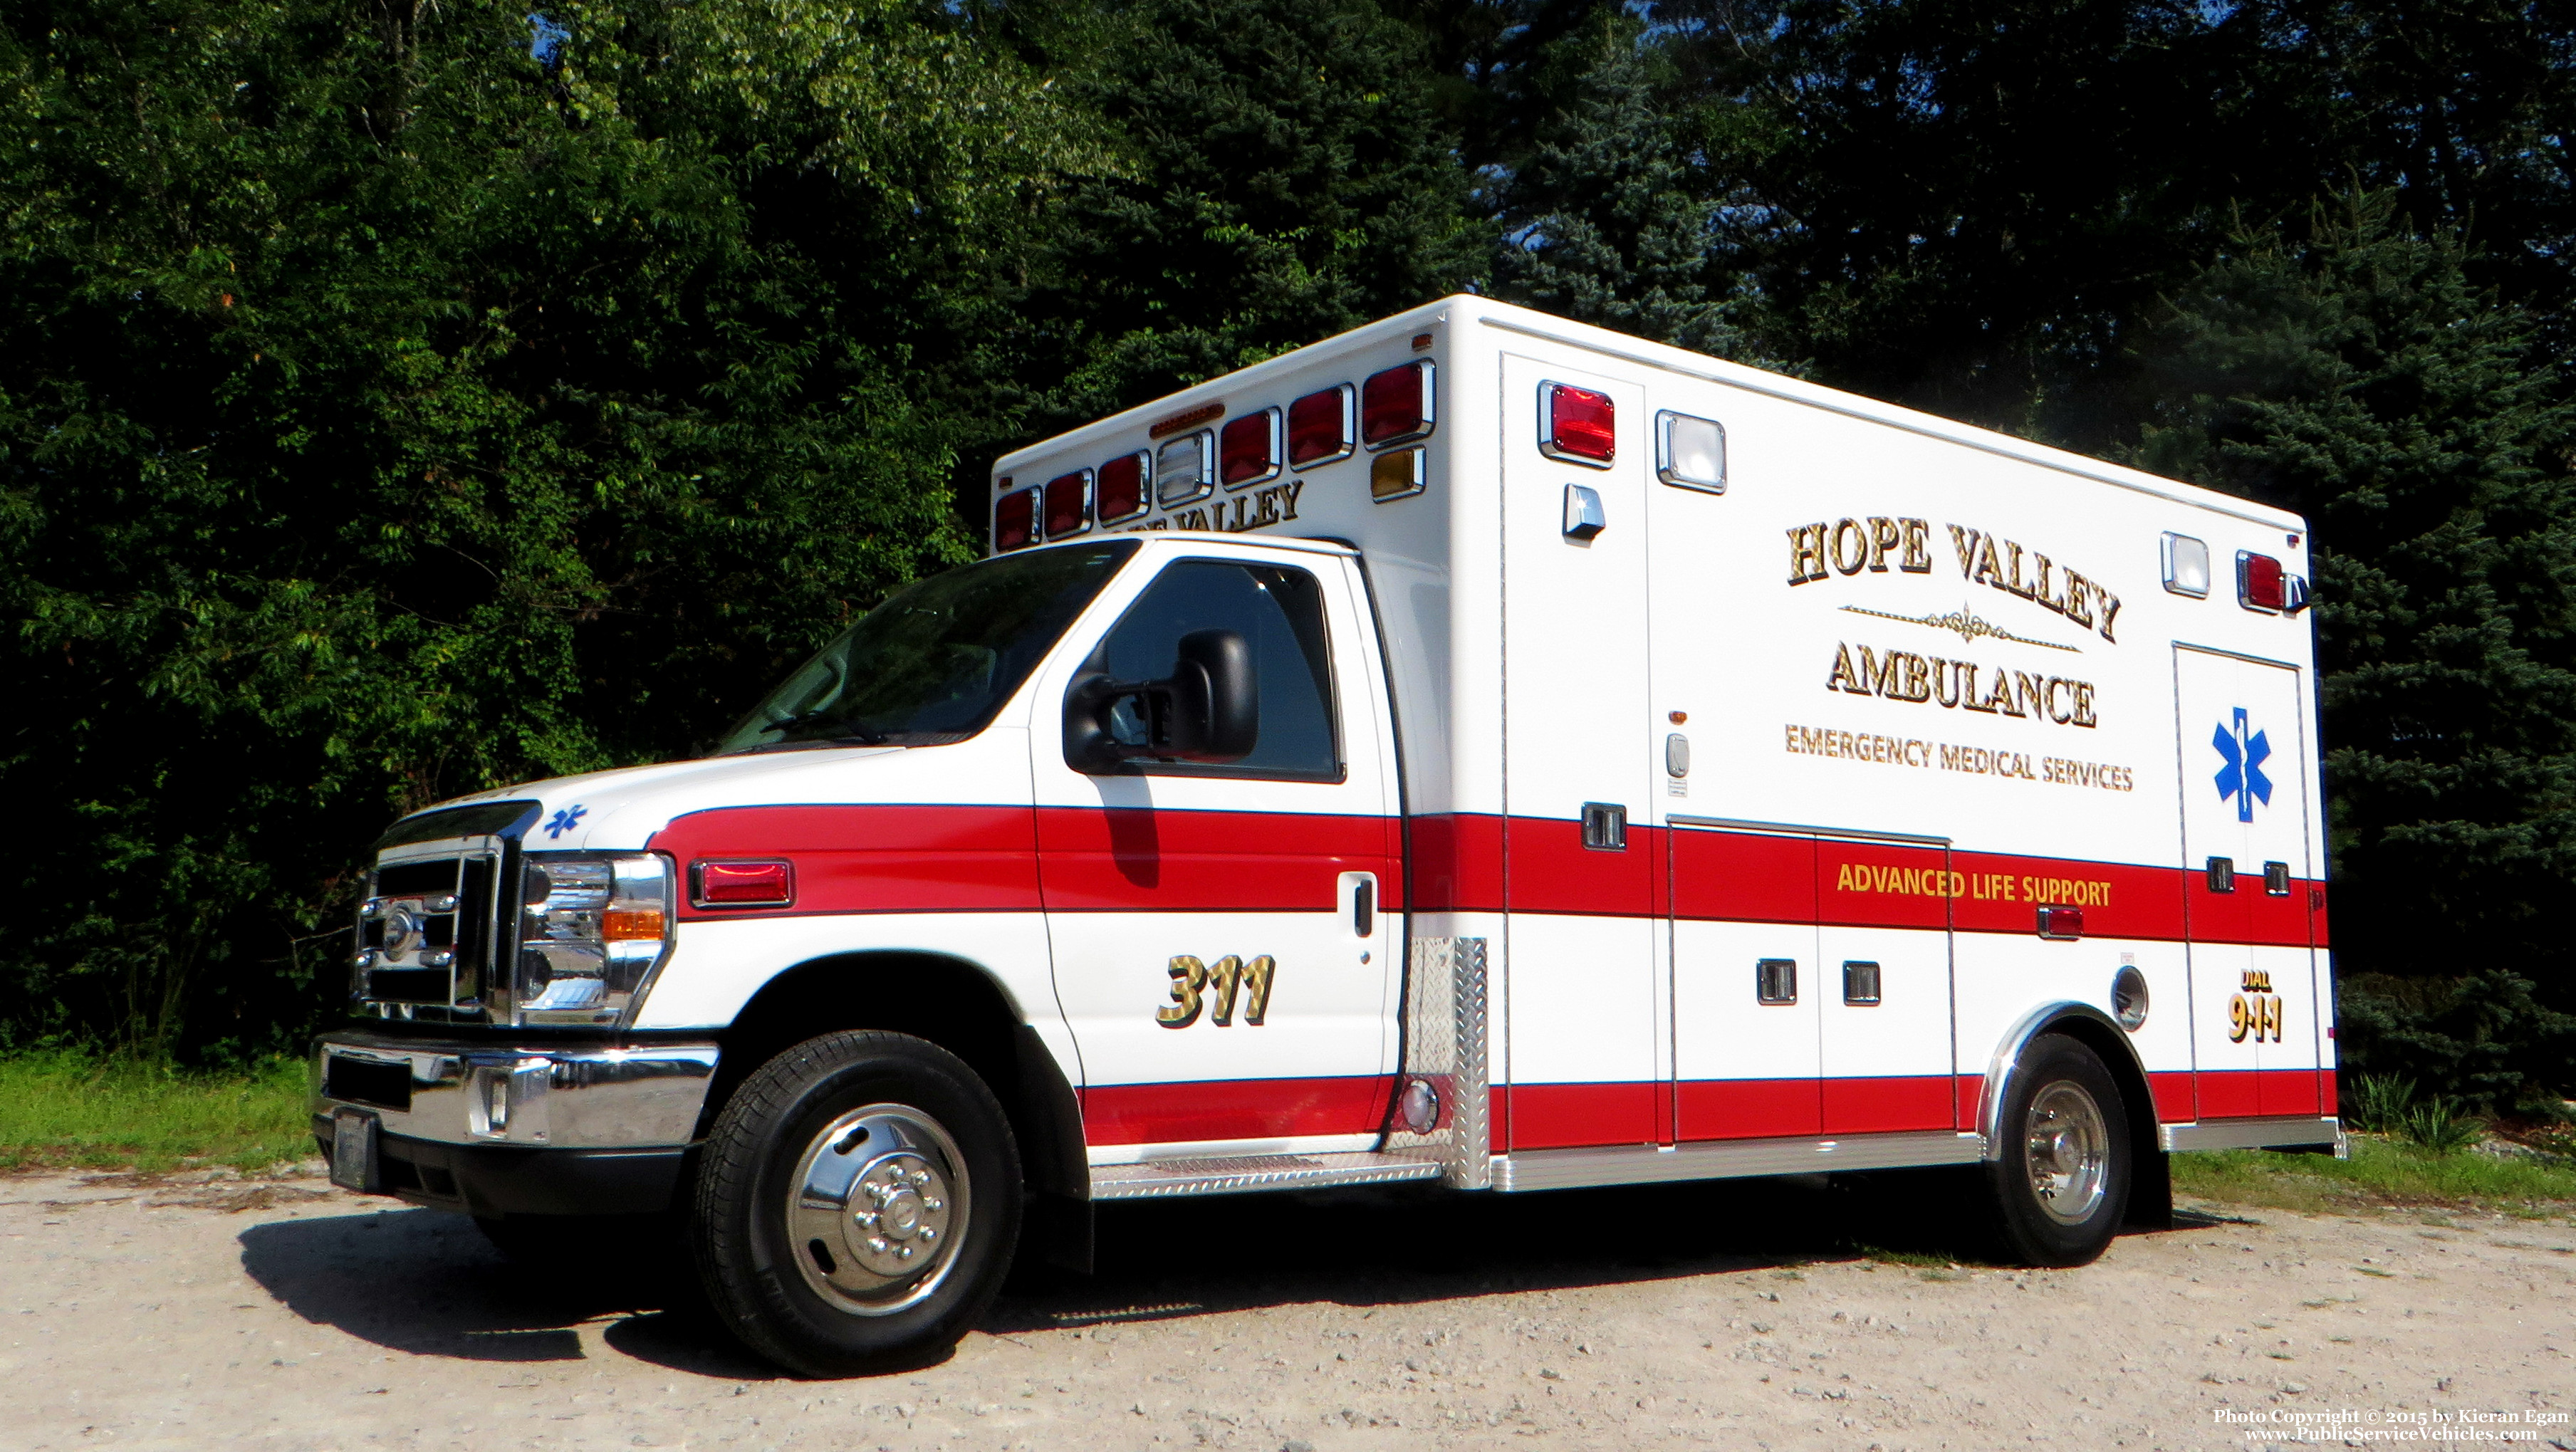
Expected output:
(2127, 1068)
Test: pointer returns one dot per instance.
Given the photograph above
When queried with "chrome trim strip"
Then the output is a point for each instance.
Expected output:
(2270, 1133)
(1166, 1179)
(1999, 1069)
(1795, 829)
(563, 1096)
(1445, 1042)
(1732, 1159)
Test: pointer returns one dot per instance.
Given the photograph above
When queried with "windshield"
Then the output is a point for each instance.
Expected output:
(933, 663)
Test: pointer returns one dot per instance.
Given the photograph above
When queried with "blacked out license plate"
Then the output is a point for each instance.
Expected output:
(354, 1150)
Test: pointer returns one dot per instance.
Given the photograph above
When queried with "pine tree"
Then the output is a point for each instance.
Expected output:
(1286, 178)
(2358, 377)
(1602, 221)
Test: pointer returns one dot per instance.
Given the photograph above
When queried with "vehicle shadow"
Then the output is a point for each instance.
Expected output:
(427, 1283)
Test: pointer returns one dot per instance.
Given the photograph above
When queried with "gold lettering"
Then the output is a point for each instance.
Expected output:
(1189, 975)
(1858, 555)
(2013, 583)
(2001, 697)
(2110, 612)
(1844, 678)
(1990, 570)
(1883, 536)
(1806, 554)
(2040, 589)
(1288, 493)
(1965, 542)
(1917, 560)
(1256, 977)
(1226, 975)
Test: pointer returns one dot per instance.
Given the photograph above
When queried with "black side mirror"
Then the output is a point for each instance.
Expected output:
(1207, 710)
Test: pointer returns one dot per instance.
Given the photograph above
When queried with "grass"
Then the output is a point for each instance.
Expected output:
(2381, 1172)
(68, 1111)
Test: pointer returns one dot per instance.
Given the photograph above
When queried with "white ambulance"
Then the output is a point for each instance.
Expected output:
(1478, 749)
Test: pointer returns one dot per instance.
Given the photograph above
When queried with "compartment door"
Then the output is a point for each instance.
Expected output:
(1585, 991)
(2255, 999)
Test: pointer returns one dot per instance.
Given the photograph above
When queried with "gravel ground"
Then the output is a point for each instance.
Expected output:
(207, 1311)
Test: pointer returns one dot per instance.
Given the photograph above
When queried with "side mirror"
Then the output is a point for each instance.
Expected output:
(1207, 710)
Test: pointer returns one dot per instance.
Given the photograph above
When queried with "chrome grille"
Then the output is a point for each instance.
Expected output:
(432, 940)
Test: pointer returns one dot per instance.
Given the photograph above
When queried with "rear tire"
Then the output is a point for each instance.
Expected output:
(2061, 1185)
(858, 1204)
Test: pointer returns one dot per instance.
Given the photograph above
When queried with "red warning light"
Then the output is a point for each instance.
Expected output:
(1015, 520)
(1396, 405)
(1319, 427)
(1121, 489)
(1068, 504)
(1581, 425)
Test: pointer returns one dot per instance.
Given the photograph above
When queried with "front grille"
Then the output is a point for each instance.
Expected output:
(425, 937)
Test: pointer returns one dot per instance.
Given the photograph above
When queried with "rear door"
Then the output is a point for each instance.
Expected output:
(2255, 1000)
(1225, 987)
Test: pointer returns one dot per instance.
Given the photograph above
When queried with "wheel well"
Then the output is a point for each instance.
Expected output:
(947, 1001)
(2151, 1195)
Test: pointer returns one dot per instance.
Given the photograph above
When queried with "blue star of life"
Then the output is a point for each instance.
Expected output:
(2242, 777)
(565, 820)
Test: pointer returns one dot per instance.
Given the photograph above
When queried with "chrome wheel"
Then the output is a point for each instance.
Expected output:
(877, 1208)
(2069, 1151)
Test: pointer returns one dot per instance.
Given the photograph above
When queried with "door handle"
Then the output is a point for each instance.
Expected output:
(1364, 907)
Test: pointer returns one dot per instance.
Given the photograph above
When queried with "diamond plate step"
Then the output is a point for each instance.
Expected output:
(1237, 1174)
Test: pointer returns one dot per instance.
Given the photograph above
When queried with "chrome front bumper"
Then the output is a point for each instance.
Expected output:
(556, 1096)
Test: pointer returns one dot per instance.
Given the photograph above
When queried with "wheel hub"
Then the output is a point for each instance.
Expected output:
(876, 1200)
(2068, 1152)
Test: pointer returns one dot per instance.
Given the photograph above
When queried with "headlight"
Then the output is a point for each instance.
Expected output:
(592, 928)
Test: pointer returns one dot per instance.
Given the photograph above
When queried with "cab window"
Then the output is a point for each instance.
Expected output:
(1280, 614)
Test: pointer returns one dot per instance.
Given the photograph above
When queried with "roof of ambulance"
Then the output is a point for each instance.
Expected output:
(1468, 308)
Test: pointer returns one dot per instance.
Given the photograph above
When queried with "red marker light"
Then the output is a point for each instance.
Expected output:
(1581, 425)
(1121, 490)
(1396, 405)
(742, 884)
(1247, 450)
(2258, 582)
(2061, 924)
(1015, 520)
(1068, 504)
(1319, 427)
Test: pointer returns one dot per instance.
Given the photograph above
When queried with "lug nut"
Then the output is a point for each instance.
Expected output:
(876, 1245)
(929, 1203)
(867, 1220)
(928, 1233)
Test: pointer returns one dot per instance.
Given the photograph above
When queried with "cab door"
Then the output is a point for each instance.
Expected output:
(1222, 952)
(2256, 1004)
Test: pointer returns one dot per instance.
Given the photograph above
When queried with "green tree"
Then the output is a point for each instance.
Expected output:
(1286, 177)
(386, 413)
(2356, 375)
(1601, 220)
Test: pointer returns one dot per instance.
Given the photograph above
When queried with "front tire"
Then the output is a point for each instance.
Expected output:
(858, 1204)
(2061, 1185)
